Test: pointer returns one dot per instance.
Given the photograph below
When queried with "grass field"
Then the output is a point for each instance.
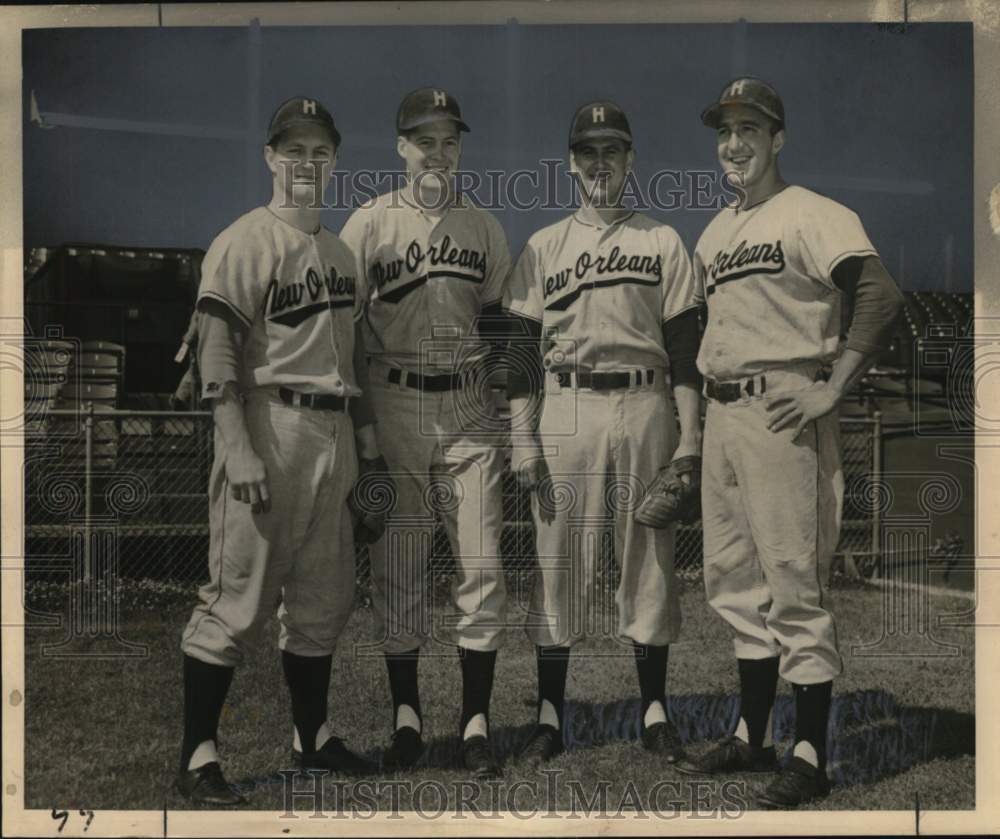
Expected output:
(104, 733)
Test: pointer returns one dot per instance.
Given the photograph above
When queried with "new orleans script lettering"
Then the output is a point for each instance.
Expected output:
(280, 298)
(768, 258)
(614, 262)
(443, 254)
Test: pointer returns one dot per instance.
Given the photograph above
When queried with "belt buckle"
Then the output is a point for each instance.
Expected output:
(725, 391)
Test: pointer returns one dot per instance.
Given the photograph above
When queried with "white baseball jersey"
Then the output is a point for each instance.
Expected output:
(766, 276)
(426, 280)
(296, 294)
(602, 292)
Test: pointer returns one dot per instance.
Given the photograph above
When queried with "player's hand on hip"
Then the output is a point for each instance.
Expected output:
(247, 478)
(799, 408)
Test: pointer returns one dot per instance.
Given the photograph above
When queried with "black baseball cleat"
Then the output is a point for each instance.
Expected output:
(207, 785)
(731, 755)
(663, 739)
(543, 745)
(335, 757)
(405, 749)
(477, 757)
(798, 783)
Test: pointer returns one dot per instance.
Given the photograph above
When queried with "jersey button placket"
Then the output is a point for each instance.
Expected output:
(605, 340)
(321, 267)
(425, 330)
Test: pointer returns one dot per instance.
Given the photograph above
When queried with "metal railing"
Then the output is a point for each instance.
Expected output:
(135, 483)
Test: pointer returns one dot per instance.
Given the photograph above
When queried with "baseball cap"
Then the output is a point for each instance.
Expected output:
(301, 111)
(599, 119)
(428, 104)
(748, 91)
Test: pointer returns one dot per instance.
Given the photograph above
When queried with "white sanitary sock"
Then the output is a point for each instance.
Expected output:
(547, 715)
(654, 714)
(804, 749)
(476, 727)
(205, 753)
(406, 716)
(322, 735)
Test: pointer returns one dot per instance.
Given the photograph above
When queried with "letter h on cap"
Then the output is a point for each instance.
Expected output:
(440, 99)
(597, 114)
(309, 106)
(736, 88)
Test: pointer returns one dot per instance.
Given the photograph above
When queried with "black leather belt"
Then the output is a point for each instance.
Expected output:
(606, 381)
(433, 384)
(732, 391)
(318, 401)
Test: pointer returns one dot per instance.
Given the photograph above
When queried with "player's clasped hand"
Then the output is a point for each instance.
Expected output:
(799, 408)
(247, 478)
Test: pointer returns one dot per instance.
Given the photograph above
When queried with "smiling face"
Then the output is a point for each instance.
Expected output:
(301, 161)
(431, 152)
(748, 146)
(602, 165)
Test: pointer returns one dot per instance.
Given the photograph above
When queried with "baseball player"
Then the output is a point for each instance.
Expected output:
(284, 372)
(774, 271)
(434, 266)
(607, 300)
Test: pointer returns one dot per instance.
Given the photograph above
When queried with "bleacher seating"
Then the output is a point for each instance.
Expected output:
(138, 298)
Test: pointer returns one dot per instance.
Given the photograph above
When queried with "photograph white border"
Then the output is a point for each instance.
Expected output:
(984, 14)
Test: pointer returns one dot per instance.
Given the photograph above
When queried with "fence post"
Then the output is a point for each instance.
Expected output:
(88, 486)
(876, 490)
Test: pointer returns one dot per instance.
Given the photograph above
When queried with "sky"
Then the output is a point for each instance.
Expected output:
(154, 136)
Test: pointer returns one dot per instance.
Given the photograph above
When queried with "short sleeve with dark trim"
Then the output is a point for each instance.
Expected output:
(498, 265)
(828, 234)
(678, 277)
(523, 294)
(236, 269)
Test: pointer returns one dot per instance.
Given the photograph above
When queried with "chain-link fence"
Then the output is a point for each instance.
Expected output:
(130, 488)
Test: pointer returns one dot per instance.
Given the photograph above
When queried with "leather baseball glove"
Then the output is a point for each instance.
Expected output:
(372, 497)
(669, 498)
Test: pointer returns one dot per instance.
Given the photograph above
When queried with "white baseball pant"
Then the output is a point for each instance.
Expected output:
(602, 449)
(771, 512)
(301, 550)
(442, 458)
